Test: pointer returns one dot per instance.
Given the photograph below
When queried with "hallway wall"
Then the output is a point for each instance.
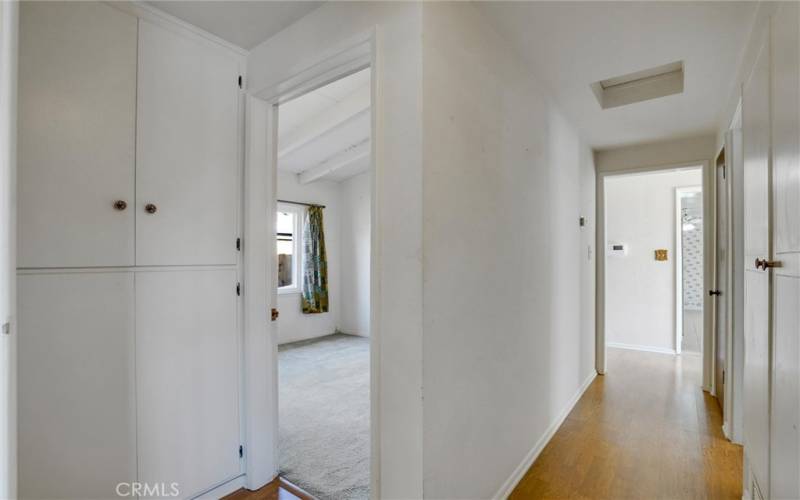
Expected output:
(508, 273)
(640, 291)
(355, 255)
(656, 154)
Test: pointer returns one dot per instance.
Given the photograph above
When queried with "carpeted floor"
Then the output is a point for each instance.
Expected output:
(324, 416)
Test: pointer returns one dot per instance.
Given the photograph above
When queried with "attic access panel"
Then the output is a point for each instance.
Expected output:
(643, 85)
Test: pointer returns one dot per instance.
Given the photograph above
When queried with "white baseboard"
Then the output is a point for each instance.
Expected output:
(224, 489)
(511, 483)
(645, 348)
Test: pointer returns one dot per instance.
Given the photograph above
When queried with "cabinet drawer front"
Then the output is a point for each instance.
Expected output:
(77, 105)
(187, 151)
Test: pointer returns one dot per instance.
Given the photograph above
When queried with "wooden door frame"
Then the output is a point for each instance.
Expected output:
(260, 195)
(600, 243)
(732, 412)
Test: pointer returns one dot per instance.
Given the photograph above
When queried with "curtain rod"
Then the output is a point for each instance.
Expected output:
(300, 203)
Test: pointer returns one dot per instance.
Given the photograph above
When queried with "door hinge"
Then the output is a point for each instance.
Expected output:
(239, 244)
(723, 377)
(241, 451)
(240, 81)
(238, 288)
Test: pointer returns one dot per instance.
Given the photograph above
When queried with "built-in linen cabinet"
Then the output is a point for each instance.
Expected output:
(186, 151)
(77, 413)
(129, 163)
(77, 135)
(110, 168)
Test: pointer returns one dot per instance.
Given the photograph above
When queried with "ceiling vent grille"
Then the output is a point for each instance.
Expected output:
(640, 86)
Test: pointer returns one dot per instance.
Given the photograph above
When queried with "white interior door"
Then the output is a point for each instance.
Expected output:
(756, 125)
(785, 443)
(260, 294)
(187, 151)
(76, 134)
(187, 378)
(721, 285)
(77, 431)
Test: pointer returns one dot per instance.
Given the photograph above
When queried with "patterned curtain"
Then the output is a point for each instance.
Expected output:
(315, 264)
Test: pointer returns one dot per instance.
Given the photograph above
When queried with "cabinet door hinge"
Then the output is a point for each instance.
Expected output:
(238, 288)
(240, 81)
(241, 451)
(238, 244)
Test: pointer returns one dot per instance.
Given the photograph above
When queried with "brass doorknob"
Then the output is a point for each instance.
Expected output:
(150, 208)
(120, 205)
(274, 314)
(767, 264)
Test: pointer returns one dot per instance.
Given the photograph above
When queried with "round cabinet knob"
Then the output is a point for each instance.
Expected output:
(120, 205)
(150, 208)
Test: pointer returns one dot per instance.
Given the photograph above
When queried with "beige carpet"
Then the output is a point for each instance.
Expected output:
(324, 416)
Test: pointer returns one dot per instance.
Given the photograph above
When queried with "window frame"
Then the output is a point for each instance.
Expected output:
(299, 213)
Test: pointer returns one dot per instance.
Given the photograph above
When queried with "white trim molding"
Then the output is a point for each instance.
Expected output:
(645, 348)
(511, 483)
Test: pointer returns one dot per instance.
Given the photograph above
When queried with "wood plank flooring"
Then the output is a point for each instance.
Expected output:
(645, 430)
(277, 489)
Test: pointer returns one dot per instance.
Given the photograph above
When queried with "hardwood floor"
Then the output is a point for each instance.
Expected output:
(645, 430)
(278, 489)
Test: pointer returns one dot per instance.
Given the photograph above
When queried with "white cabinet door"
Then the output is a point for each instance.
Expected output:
(77, 431)
(756, 137)
(187, 378)
(785, 442)
(187, 151)
(77, 105)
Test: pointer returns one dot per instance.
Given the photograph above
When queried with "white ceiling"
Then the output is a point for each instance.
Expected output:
(573, 44)
(325, 134)
(243, 23)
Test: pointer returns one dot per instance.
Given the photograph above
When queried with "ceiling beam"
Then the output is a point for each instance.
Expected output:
(352, 154)
(339, 114)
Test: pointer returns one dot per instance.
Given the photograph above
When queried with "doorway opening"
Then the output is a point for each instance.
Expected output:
(323, 246)
(689, 269)
(653, 264)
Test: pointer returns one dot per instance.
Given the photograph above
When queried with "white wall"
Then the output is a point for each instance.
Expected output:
(8, 347)
(355, 258)
(655, 154)
(640, 291)
(396, 209)
(508, 332)
(293, 325)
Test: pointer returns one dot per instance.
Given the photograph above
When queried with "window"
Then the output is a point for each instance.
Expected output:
(287, 229)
